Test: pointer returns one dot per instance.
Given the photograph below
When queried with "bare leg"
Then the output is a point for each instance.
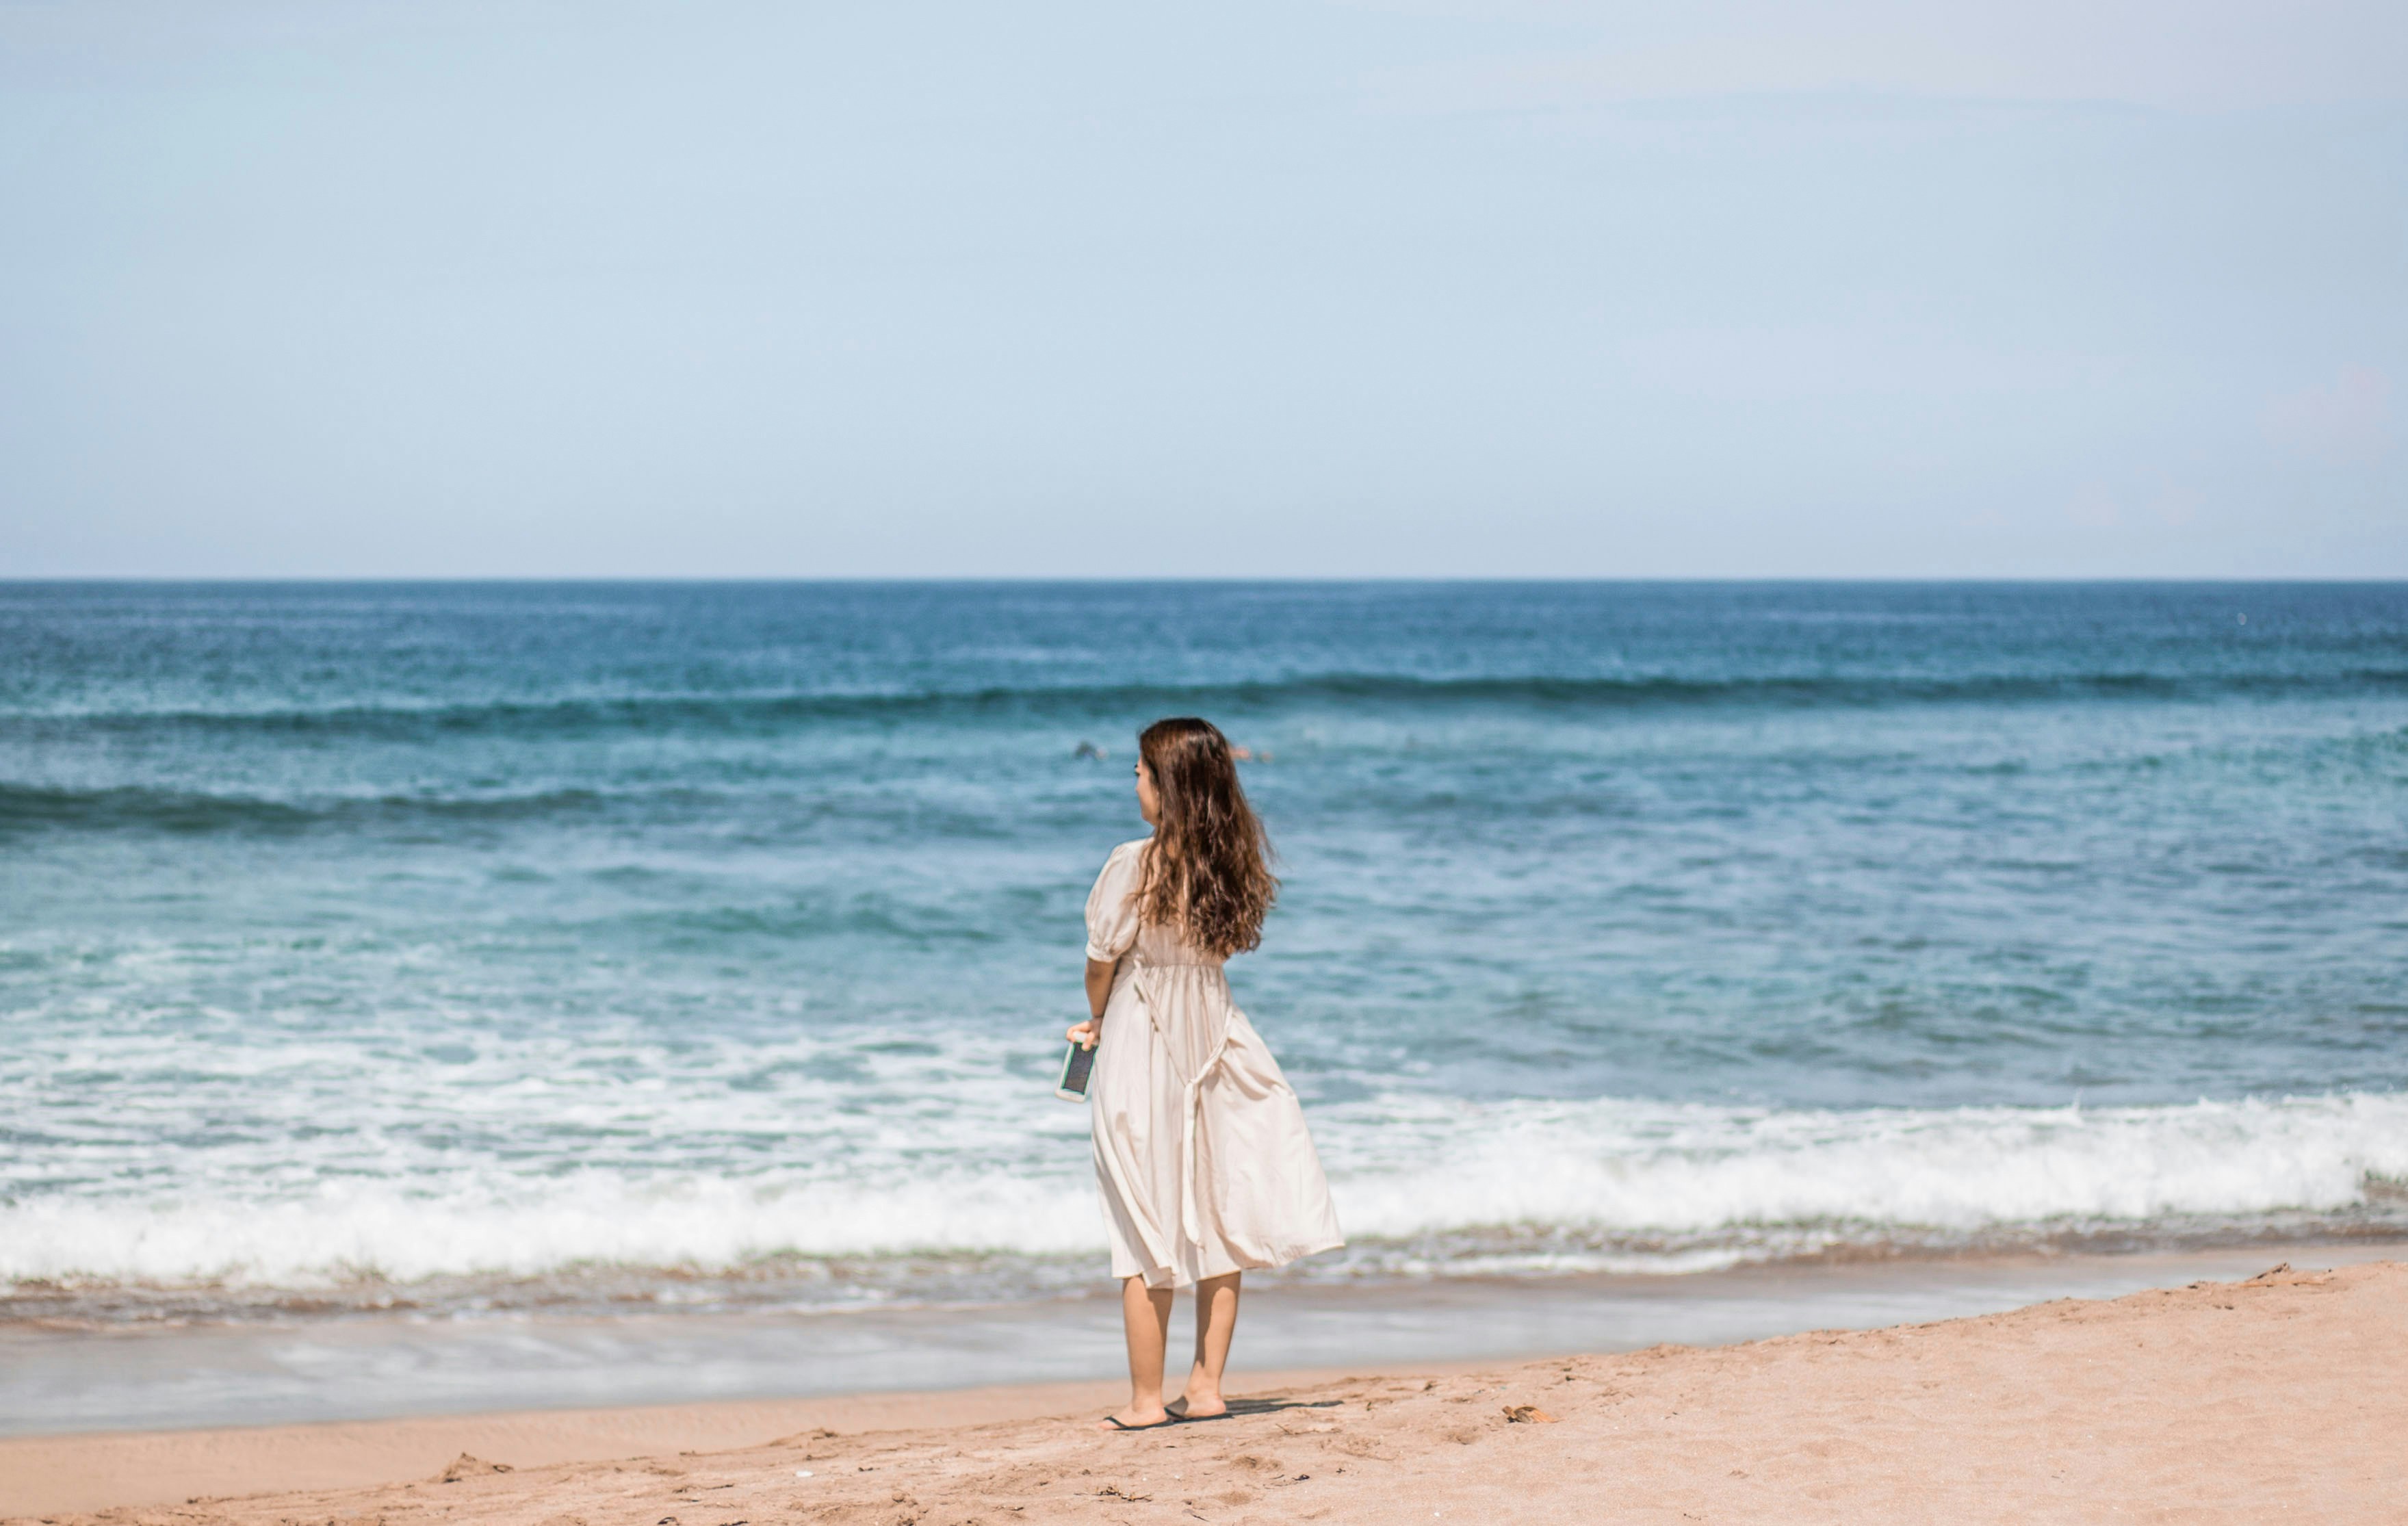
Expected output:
(1216, 1321)
(1145, 1318)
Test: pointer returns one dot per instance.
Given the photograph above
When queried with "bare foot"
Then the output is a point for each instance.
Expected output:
(1198, 1406)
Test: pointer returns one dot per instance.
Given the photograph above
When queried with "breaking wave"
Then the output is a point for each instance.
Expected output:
(1426, 1186)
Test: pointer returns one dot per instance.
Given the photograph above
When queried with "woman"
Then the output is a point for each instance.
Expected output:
(1200, 1146)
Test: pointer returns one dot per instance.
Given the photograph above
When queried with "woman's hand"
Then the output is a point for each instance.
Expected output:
(1084, 1034)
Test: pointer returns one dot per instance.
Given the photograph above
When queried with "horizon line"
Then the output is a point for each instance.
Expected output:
(720, 580)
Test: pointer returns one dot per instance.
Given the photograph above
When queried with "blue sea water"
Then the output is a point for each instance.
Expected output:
(667, 945)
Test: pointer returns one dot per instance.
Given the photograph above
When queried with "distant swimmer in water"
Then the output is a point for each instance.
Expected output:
(1241, 755)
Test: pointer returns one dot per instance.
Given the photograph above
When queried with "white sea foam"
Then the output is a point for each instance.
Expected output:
(1719, 1184)
(345, 1230)
(1651, 1166)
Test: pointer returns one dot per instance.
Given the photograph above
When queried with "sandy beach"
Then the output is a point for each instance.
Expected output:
(2223, 1401)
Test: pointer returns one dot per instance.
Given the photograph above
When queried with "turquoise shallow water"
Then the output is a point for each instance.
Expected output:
(703, 946)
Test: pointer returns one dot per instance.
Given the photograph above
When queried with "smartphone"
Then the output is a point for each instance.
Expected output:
(1077, 1066)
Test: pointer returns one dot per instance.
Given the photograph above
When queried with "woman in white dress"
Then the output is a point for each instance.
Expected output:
(1201, 1152)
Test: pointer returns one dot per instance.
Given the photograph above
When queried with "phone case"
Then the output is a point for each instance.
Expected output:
(1076, 1067)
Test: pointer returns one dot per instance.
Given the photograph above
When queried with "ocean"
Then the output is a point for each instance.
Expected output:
(452, 951)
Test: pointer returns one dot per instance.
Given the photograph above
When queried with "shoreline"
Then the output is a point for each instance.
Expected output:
(378, 1367)
(2301, 1355)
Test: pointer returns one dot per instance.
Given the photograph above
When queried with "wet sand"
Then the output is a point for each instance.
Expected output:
(2221, 1400)
(62, 1379)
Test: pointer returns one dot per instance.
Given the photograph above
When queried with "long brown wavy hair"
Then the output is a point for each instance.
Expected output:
(1208, 870)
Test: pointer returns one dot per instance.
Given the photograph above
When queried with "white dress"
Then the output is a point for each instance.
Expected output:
(1201, 1145)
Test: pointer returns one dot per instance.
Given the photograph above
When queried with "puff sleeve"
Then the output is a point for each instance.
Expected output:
(1111, 905)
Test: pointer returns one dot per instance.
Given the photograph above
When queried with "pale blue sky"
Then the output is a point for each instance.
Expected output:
(1363, 289)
